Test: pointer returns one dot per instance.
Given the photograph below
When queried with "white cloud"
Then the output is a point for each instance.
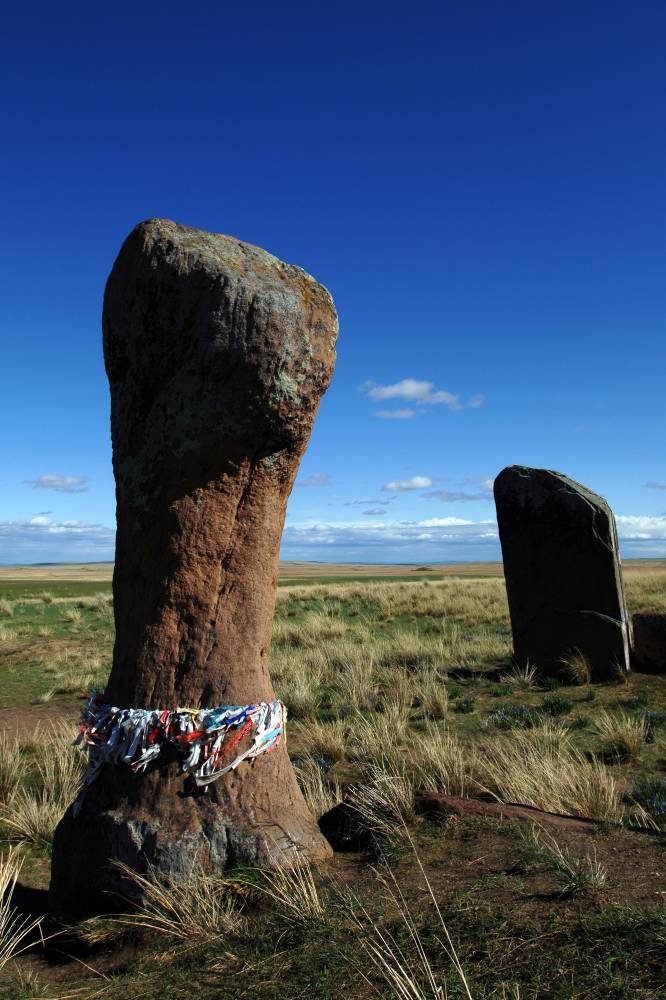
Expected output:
(64, 484)
(405, 414)
(316, 479)
(41, 539)
(438, 539)
(419, 391)
(377, 540)
(643, 527)
(448, 522)
(415, 483)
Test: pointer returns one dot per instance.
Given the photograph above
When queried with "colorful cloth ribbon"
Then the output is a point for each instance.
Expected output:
(204, 737)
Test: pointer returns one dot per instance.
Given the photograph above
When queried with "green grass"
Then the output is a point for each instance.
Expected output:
(19, 590)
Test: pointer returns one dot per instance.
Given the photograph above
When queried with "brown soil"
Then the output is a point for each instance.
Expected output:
(472, 863)
(25, 722)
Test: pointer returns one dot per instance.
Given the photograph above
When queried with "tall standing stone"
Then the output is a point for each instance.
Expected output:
(217, 355)
(562, 570)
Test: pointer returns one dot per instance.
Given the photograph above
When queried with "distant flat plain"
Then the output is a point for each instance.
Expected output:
(103, 572)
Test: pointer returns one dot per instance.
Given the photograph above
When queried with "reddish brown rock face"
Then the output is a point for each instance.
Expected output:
(217, 355)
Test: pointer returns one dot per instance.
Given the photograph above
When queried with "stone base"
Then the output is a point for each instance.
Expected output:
(649, 652)
(557, 635)
(153, 822)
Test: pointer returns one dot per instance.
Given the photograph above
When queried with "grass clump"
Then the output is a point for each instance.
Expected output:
(650, 794)
(319, 791)
(293, 890)
(398, 951)
(622, 735)
(326, 741)
(522, 675)
(576, 668)
(13, 768)
(56, 770)
(555, 705)
(441, 763)
(575, 875)
(193, 907)
(514, 716)
(540, 767)
(383, 802)
(379, 737)
(71, 615)
(16, 931)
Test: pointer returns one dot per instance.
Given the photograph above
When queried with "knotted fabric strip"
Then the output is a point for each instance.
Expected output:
(203, 737)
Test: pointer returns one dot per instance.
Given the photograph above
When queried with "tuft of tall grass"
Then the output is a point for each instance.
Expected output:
(327, 740)
(293, 891)
(380, 736)
(301, 694)
(575, 875)
(576, 668)
(431, 695)
(523, 675)
(355, 688)
(32, 813)
(540, 767)
(440, 763)
(71, 615)
(6, 607)
(101, 603)
(13, 767)
(192, 908)
(405, 969)
(383, 801)
(16, 931)
(319, 792)
(621, 734)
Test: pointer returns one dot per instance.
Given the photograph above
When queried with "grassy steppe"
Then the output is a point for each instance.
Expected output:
(392, 685)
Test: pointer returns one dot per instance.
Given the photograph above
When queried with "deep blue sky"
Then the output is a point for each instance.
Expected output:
(481, 186)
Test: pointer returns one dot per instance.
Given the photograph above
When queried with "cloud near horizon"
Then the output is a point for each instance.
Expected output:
(63, 484)
(430, 538)
(639, 527)
(41, 539)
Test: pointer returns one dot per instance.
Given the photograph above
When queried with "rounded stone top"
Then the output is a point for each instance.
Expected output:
(185, 247)
(211, 343)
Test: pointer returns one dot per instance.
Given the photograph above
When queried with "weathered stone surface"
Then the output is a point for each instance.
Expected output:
(217, 355)
(562, 570)
(649, 642)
